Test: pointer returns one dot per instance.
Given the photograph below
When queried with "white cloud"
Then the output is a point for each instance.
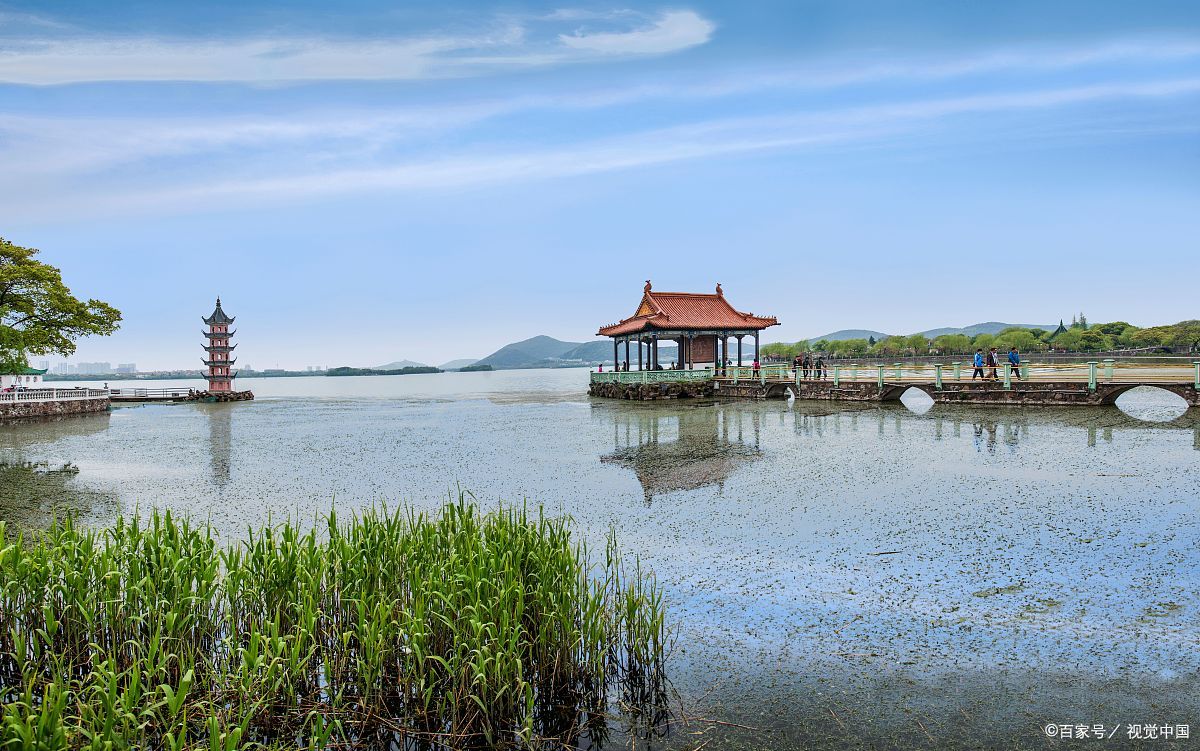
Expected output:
(670, 32)
(512, 44)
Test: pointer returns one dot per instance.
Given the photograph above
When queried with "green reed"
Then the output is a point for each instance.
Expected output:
(385, 629)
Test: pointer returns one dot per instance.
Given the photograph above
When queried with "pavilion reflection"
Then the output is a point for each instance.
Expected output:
(686, 449)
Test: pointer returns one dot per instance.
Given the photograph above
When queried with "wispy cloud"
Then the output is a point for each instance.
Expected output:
(811, 129)
(672, 31)
(509, 44)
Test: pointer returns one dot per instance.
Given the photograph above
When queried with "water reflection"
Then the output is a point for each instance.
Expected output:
(33, 490)
(220, 436)
(691, 447)
(991, 428)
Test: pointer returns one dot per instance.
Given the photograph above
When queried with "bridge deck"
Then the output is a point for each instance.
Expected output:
(1083, 383)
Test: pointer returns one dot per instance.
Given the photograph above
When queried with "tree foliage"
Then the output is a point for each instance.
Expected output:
(38, 313)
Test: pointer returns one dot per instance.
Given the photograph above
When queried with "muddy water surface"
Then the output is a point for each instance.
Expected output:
(842, 575)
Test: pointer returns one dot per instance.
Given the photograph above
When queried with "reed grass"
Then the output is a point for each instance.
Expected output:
(384, 629)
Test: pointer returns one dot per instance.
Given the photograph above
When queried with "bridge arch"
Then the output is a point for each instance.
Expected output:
(781, 390)
(1187, 393)
(1158, 410)
(893, 391)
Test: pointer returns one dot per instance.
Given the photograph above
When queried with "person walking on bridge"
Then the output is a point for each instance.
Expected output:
(1014, 359)
(978, 372)
(993, 361)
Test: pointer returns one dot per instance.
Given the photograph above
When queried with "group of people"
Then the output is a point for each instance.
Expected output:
(991, 361)
(810, 366)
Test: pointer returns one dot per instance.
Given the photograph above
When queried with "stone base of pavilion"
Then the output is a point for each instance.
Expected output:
(645, 392)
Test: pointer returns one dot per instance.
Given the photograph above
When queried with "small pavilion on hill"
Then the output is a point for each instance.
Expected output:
(700, 324)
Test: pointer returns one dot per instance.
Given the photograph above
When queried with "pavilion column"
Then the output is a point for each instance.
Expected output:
(690, 362)
(756, 346)
(626, 352)
(739, 350)
(640, 353)
(654, 352)
(616, 356)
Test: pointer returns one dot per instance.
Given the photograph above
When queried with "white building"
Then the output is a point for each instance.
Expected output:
(30, 378)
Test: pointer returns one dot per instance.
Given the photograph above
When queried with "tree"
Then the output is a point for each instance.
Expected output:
(1069, 340)
(821, 345)
(1115, 328)
(1022, 339)
(984, 341)
(918, 343)
(952, 344)
(871, 341)
(38, 313)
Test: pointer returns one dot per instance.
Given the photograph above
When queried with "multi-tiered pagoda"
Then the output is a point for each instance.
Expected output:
(220, 358)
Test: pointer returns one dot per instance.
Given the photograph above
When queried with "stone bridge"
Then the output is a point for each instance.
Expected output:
(1046, 393)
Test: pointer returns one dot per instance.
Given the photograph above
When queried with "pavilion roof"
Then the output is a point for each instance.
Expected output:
(218, 316)
(686, 311)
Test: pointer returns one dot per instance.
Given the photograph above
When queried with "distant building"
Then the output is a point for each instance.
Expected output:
(126, 367)
(219, 374)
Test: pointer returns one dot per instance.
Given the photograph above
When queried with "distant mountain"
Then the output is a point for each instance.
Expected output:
(844, 334)
(548, 352)
(536, 352)
(991, 327)
(400, 364)
(456, 364)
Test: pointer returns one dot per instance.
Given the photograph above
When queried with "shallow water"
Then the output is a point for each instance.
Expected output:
(842, 575)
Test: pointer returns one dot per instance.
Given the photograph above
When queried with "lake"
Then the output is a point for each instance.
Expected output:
(841, 575)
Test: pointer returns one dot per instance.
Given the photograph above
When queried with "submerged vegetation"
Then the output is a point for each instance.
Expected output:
(388, 629)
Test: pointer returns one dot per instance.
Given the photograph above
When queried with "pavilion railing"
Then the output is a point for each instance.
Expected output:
(652, 376)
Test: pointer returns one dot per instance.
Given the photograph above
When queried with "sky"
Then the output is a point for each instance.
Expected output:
(363, 182)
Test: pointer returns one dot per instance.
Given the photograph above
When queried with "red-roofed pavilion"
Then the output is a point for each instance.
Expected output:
(700, 324)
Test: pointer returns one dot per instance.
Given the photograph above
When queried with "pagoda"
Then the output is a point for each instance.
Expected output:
(219, 361)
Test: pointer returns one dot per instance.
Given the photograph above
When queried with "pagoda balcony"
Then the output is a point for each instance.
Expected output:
(220, 348)
(219, 363)
(219, 335)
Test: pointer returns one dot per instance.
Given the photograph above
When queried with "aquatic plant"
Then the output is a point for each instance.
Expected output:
(385, 629)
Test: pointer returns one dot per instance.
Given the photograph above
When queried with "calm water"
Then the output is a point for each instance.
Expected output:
(842, 575)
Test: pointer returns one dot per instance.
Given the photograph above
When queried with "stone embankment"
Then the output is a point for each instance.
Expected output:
(653, 391)
(52, 407)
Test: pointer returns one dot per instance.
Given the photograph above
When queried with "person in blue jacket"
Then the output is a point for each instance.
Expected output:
(1014, 359)
(978, 366)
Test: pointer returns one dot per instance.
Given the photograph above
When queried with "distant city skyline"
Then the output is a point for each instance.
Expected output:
(368, 183)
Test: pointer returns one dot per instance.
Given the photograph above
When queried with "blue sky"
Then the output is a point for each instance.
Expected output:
(364, 181)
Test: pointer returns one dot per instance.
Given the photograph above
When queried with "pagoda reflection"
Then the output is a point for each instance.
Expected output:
(686, 449)
(220, 437)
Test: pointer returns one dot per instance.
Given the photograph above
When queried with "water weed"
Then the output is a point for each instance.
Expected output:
(384, 629)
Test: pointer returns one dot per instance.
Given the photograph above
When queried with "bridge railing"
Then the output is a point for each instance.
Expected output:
(151, 393)
(52, 395)
(1091, 373)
